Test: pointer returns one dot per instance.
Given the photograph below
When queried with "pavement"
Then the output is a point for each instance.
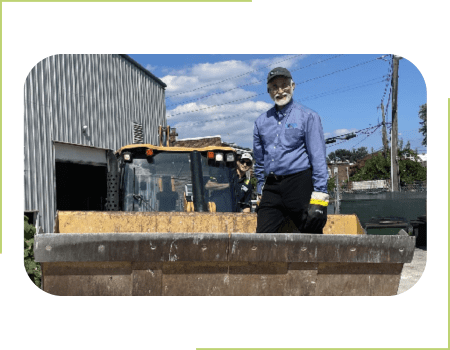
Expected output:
(412, 271)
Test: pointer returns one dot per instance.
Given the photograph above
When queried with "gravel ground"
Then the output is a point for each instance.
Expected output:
(413, 271)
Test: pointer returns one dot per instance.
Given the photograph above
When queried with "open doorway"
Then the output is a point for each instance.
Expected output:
(80, 186)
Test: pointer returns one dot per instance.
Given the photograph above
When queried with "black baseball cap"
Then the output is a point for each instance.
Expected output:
(279, 71)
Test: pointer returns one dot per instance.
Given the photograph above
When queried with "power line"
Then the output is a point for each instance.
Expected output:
(253, 83)
(303, 82)
(223, 118)
(339, 71)
(237, 76)
(216, 93)
(226, 103)
(388, 80)
(327, 93)
(345, 89)
(390, 89)
(367, 131)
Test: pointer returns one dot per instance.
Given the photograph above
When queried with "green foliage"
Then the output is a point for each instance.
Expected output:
(331, 184)
(423, 117)
(376, 168)
(411, 171)
(342, 155)
(379, 168)
(253, 181)
(32, 267)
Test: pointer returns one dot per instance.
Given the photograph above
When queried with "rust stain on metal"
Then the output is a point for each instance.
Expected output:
(220, 278)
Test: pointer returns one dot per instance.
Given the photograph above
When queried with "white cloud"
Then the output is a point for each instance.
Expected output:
(217, 91)
(233, 122)
(150, 67)
(339, 132)
(205, 77)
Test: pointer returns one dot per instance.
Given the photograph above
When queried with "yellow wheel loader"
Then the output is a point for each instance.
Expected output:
(173, 227)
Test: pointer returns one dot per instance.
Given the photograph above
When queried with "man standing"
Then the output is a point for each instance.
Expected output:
(290, 161)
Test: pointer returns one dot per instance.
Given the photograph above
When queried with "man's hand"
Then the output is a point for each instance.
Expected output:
(317, 213)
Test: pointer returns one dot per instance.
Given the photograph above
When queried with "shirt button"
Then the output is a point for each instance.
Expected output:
(279, 122)
(272, 160)
(274, 146)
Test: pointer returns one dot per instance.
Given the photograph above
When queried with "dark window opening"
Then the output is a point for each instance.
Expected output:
(80, 186)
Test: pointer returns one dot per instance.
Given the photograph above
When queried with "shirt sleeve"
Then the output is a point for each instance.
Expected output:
(315, 147)
(258, 155)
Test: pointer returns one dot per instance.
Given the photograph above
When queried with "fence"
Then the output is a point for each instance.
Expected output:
(408, 205)
(378, 186)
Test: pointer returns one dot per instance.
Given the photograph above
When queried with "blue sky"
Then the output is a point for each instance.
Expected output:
(223, 94)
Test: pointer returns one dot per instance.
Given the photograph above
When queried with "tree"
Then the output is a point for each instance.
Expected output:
(423, 117)
(343, 155)
(331, 184)
(379, 168)
(376, 168)
(359, 154)
(408, 145)
(32, 267)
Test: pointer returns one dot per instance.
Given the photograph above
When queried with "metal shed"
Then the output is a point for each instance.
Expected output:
(76, 108)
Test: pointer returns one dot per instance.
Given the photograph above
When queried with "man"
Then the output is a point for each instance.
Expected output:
(290, 161)
(244, 186)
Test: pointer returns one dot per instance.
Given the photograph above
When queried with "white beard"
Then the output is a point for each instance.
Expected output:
(284, 101)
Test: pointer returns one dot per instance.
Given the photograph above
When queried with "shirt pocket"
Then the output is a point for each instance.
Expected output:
(292, 137)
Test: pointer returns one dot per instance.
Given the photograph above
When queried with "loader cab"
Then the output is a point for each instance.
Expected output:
(165, 179)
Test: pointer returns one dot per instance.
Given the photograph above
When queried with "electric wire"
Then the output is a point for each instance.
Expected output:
(253, 83)
(358, 133)
(263, 93)
(231, 78)
(333, 92)
(388, 80)
(311, 97)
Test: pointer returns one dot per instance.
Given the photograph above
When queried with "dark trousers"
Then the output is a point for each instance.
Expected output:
(289, 196)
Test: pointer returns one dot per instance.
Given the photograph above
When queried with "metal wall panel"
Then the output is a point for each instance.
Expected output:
(107, 93)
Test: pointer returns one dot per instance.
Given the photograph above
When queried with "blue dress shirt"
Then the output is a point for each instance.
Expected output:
(289, 141)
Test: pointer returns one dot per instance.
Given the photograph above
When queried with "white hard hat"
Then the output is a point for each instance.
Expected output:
(247, 156)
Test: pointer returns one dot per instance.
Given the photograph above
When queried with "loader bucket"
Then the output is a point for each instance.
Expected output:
(137, 253)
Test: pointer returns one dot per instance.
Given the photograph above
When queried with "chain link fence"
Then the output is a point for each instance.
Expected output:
(376, 187)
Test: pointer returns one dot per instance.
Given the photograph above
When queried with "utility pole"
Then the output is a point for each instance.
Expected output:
(394, 138)
(337, 208)
(384, 133)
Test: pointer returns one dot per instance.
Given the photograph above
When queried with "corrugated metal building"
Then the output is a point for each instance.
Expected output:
(76, 108)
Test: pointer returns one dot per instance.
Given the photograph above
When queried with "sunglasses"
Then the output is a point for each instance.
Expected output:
(246, 162)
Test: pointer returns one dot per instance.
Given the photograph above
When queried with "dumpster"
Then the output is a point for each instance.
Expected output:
(420, 230)
(386, 225)
(145, 253)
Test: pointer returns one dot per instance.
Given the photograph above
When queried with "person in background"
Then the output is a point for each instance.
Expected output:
(244, 189)
(290, 161)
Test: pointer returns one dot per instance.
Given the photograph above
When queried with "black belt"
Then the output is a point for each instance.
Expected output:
(282, 177)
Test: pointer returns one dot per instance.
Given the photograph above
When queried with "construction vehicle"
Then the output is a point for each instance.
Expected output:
(173, 227)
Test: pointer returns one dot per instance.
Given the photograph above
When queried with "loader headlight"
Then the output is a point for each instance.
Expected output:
(230, 157)
(219, 157)
(127, 157)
